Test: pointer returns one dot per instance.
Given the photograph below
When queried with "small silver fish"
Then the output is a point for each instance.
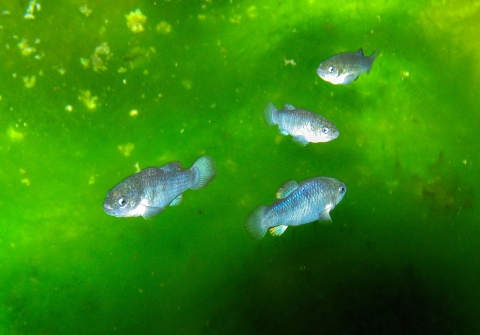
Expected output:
(149, 191)
(303, 125)
(344, 68)
(297, 204)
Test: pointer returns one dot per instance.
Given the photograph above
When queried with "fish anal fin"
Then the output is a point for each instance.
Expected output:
(283, 131)
(286, 189)
(177, 200)
(300, 140)
(278, 230)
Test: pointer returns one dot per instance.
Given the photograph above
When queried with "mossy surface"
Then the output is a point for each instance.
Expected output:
(85, 100)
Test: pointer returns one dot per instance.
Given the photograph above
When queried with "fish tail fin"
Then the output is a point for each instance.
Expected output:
(374, 55)
(205, 171)
(269, 113)
(372, 58)
(253, 223)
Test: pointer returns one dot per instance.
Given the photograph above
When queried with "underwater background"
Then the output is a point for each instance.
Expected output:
(90, 91)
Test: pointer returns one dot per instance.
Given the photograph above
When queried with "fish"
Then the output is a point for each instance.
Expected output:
(149, 191)
(305, 126)
(345, 67)
(296, 204)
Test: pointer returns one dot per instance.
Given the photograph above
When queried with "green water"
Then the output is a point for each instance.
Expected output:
(402, 253)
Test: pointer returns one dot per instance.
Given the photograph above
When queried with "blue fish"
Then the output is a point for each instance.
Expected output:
(345, 67)
(149, 191)
(305, 126)
(297, 204)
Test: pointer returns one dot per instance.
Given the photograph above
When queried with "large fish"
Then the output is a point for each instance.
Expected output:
(297, 204)
(344, 68)
(149, 191)
(305, 126)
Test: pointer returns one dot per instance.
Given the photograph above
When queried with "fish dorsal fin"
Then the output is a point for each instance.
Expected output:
(286, 189)
(173, 166)
(177, 200)
(289, 107)
(360, 52)
(149, 211)
(278, 230)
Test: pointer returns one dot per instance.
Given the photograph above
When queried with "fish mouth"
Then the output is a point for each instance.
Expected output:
(107, 208)
(320, 72)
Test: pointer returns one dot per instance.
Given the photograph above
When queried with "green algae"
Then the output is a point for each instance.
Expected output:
(400, 255)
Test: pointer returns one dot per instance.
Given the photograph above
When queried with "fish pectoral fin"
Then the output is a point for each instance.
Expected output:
(278, 230)
(300, 140)
(324, 216)
(286, 189)
(149, 212)
(177, 200)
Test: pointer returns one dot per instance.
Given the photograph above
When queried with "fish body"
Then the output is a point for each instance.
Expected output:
(345, 67)
(149, 191)
(305, 126)
(296, 204)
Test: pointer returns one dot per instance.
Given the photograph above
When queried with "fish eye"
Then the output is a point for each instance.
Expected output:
(331, 68)
(342, 189)
(325, 129)
(122, 201)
